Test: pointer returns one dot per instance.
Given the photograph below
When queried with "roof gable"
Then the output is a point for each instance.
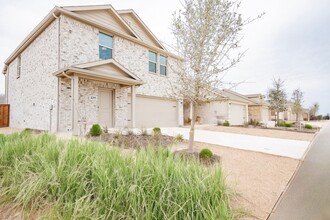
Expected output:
(110, 67)
(135, 22)
(105, 15)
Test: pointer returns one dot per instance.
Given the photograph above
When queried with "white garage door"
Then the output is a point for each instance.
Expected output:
(237, 114)
(152, 112)
(265, 115)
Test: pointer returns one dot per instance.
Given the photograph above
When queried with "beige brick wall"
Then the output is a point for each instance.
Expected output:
(31, 95)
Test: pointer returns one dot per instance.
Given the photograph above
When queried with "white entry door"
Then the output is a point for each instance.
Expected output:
(105, 108)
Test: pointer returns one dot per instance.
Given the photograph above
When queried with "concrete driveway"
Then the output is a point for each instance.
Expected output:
(282, 147)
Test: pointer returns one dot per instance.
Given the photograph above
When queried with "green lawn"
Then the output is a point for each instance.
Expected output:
(88, 180)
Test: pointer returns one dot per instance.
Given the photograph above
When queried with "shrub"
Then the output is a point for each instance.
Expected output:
(144, 132)
(156, 131)
(285, 124)
(254, 122)
(178, 138)
(308, 126)
(205, 153)
(95, 130)
(89, 180)
(226, 123)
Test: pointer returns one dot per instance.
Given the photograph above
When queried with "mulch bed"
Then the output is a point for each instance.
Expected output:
(186, 153)
(134, 140)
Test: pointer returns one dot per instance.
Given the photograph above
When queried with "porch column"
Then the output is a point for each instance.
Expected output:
(74, 102)
(133, 97)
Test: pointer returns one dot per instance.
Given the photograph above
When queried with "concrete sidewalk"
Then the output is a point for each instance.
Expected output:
(308, 195)
(282, 147)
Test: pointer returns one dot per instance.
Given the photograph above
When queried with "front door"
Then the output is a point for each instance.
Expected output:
(105, 108)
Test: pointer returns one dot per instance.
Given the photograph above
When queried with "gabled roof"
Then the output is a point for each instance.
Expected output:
(96, 13)
(231, 95)
(76, 12)
(105, 69)
(140, 27)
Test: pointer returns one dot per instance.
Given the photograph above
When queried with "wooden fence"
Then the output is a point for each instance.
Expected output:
(4, 115)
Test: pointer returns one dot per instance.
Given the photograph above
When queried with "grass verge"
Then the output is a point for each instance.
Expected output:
(87, 180)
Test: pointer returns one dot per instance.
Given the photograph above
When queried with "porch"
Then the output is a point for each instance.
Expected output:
(96, 92)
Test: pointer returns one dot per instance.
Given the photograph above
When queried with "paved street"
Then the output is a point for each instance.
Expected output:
(282, 147)
(308, 196)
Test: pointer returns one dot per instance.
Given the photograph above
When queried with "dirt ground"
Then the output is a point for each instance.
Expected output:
(260, 132)
(256, 179)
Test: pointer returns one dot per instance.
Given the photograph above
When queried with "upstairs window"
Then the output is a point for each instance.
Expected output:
(105, 46)
(152, 62)
(19, 66)
(163, 65)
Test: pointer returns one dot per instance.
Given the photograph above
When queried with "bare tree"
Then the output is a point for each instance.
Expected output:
(277, 98)
(297, 100)
(314, 109)
(206, 32)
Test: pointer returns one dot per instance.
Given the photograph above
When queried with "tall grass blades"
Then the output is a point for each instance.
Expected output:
(86, 180)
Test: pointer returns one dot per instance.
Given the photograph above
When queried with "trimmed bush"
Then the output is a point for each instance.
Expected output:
(156, 131)
(308, 126)
(226, 123)
(95, 130)
(205, 153)
(285, 124)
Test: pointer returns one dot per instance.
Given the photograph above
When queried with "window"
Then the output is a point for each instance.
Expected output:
(19, 66)
(152, 62)
(162, 66)
(105, 46)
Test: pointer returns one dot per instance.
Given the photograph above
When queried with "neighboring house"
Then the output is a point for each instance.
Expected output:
(91, 64)
(228, 106)
(259, 111)
(288, 115)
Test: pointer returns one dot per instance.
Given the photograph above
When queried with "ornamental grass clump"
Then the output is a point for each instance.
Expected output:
(80, 179)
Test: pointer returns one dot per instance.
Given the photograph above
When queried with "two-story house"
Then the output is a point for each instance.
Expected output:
(91, 64)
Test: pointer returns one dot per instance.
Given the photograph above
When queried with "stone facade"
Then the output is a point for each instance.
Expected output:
(259, 113)
(35, 91)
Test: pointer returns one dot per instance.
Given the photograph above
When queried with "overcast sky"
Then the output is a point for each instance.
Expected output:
(290, 41)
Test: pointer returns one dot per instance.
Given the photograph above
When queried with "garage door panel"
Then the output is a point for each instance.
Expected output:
(237, 114)
(152, 112)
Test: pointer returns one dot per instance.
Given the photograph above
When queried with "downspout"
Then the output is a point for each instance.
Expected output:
(58, 67)
(6, 74)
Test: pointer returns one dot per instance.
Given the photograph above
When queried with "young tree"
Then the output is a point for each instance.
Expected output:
(297, 99)
(206, 32)
(314, 109)
(277, 98)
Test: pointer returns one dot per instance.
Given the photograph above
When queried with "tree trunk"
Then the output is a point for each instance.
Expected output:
(192, 127)
(277, 118)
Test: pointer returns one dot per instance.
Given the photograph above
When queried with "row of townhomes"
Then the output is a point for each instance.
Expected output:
(94, 64)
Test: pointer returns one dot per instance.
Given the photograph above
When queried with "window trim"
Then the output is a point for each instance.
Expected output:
(155, 62)
(19, 66)
(111, 48)
(160, 65)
